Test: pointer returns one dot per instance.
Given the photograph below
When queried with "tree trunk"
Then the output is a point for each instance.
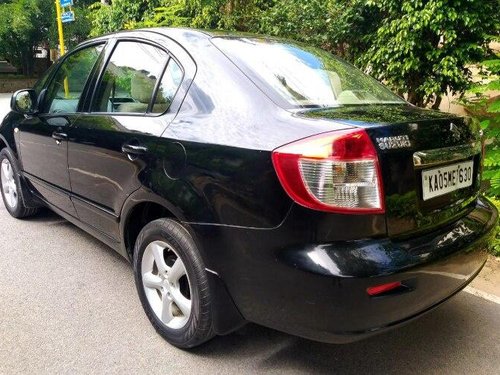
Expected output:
(437, 102)
(415, 98)
(27, 62)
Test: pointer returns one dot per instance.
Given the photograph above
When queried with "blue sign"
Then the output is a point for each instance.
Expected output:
(66, 3)
(68, 17)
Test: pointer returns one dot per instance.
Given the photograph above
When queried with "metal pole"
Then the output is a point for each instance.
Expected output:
(60, 28)
(61, 43)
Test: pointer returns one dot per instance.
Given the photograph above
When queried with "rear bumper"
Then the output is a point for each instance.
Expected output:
(318, 291)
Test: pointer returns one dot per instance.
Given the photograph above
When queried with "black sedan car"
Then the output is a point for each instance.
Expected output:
(251, 179)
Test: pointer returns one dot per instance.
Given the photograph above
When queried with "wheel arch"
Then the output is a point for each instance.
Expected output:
(7, 128)
(5, 144)
(29, 200)
(148, 207)
(139, 209)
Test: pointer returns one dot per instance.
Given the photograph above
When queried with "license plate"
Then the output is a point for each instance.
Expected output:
(443, 180)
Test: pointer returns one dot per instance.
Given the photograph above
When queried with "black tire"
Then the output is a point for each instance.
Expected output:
(19, 210)
(199, 326)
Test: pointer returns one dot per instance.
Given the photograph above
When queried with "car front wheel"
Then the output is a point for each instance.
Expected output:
(11, 187)
(172, 283)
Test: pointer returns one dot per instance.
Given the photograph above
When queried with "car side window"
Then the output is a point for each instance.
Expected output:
(169, 84)
(130, 78)
(67, 85)
(40, 84)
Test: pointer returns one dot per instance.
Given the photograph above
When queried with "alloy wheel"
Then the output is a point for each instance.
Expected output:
(9, 186)
(166, 284)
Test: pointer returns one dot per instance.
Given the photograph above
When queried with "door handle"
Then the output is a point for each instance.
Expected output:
(134, 150)
(59, 137)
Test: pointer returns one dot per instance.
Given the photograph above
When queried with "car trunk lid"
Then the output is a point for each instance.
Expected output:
(430, 162)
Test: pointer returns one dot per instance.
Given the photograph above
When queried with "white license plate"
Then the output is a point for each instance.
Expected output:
(443, 180)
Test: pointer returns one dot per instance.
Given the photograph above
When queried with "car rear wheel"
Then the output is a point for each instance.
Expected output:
(172, 283)
(11, 187)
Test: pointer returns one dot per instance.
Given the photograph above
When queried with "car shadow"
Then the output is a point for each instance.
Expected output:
(45, 215)
(48, 217)
(449, 334)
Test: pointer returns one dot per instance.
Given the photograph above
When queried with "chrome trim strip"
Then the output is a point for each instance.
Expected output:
(429, 158)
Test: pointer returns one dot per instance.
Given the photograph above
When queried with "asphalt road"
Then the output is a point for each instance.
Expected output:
(68, 305)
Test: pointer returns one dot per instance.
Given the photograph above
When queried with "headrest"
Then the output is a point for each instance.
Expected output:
(142, 87)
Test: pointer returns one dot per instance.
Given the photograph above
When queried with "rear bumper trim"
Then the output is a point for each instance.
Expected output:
(384, 257)
(435, 267)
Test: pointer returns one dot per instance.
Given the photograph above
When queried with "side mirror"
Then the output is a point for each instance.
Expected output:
(24, 102)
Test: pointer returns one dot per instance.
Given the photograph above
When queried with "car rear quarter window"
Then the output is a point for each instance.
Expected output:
(169, 85)
(130, 78)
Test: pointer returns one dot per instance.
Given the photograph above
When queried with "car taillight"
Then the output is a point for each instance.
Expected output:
(335, 172)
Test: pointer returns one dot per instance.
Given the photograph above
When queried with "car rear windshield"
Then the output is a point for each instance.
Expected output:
(303, 76)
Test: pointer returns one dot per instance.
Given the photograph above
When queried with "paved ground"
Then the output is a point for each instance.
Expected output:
(68, 305)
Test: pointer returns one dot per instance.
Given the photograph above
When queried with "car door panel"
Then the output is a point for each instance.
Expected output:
(43, 137)
(44, 158)
(102, 174)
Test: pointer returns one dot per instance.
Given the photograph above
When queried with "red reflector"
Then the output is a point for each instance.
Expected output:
(379, 289)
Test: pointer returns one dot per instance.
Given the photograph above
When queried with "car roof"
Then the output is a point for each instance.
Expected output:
(186, 36)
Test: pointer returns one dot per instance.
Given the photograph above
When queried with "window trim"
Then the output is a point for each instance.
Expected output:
(86, 87)
(98, 81)
(157, 88)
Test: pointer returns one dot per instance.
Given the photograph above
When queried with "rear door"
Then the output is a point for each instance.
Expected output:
(43, 138)
(115, 138)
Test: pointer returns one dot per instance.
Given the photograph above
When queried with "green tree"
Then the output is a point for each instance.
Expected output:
(240, 15)
(26, 24)
(74, 32)
(120, 14)
(23, 27)
(418, 47)
(338, 26)
(480, 104)
(423, 48)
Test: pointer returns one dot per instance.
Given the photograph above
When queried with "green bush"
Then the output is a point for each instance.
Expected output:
(495, 244)
(487, 110)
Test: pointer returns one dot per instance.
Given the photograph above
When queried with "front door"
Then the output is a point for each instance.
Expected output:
(43, 138)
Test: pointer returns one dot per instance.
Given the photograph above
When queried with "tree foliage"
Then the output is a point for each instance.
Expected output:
(74, 32)
(23, 27)
(479, 103)
(27, 24)
(421, 48)
(120, 14)
(487, 109)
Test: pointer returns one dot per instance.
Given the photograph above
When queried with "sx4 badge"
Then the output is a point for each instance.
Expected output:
(389, 143)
